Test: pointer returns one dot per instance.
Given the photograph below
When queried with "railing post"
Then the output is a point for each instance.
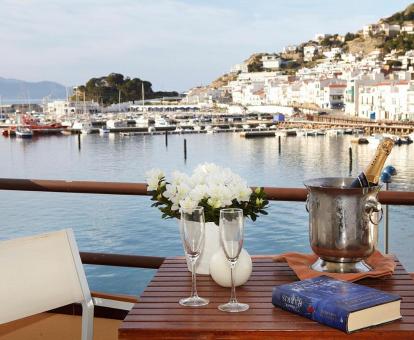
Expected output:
(386, 221)
(386, 177)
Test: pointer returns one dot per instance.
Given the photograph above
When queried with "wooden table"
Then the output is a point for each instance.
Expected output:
(159, 316)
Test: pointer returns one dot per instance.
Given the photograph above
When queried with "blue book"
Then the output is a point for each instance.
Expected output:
(339, 304)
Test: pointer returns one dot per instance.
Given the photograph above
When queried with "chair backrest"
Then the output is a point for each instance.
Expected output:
(40, 273)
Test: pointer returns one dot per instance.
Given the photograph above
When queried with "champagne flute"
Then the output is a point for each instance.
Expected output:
(193, 233)
(231, 237)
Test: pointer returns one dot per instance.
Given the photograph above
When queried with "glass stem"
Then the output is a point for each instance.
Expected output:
(233, 286)
(193, 277)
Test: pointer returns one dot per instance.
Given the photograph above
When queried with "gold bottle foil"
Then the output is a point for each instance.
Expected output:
(373, 170)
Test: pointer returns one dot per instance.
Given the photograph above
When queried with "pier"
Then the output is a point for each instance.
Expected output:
(256, 127)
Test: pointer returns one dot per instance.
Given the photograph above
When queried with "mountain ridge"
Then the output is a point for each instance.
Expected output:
(11, 89)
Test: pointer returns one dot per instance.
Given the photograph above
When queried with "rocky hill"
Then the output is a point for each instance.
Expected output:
(354, 43)
(364, 45)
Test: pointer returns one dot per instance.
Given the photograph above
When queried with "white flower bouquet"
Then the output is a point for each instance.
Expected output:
(211, 187)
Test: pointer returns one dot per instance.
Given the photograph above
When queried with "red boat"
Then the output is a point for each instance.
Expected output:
(34, 123)
(39, 128)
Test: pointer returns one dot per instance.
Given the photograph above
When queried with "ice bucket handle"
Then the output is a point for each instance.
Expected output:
(307, 203)
(373, 206)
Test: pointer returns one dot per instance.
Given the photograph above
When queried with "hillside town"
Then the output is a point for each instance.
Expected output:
(367, 75)
(375, 85)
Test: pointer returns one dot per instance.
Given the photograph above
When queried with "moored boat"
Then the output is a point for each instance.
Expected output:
(84, 126)
(311, 133)
(360, 140)
(37, 126)
(23, 132)
(335, 132)
(104, 130)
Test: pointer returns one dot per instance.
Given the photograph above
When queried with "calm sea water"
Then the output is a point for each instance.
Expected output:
(127, 224)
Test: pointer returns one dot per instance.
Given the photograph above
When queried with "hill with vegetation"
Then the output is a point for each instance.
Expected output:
(400, 17)
(355, 43)
(106, 89)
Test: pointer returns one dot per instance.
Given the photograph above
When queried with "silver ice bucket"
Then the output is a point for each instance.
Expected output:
(343, 224)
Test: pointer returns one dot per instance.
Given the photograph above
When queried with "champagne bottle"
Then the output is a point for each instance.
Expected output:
(370, 176)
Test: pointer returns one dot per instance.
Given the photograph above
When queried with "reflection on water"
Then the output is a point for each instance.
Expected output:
(127, 224)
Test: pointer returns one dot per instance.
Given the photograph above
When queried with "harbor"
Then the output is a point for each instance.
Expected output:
(120, 223)
(248, 127)
(207, 170)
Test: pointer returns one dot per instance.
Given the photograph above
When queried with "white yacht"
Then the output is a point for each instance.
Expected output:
(104, 130)
(161, 122)
(116, 123)
(300, 132)
(23, 132)
(375, 138)
(141, 122)
(335, 132)
(84, 126)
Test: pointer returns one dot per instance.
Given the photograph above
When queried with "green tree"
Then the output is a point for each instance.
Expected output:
(106, 89)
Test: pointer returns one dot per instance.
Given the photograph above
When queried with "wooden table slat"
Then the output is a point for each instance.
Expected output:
(158, 315)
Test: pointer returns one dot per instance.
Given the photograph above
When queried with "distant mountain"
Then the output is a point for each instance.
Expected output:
(20, 91)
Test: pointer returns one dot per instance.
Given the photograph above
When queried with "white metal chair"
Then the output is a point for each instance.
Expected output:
(40, 273)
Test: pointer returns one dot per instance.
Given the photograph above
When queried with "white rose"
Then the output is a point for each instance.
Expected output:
(220, 196)
(242, 193)
(214, 202)
(170, 191)
(179, 177)
(153, 178)
(198, 192)
(187, 205)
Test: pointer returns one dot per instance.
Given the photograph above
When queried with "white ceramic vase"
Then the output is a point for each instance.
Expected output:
(220, 269)
(211, 246)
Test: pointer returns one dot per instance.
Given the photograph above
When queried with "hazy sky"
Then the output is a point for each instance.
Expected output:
(175, 44)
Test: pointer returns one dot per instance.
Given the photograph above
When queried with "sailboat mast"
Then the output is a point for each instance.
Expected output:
(84, 105)
(119, 101)
(142, 93)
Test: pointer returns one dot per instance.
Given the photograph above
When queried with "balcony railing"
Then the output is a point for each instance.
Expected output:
(118, 188)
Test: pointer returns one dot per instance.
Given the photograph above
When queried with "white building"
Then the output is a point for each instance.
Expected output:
(390, 30)
(60, 108)
(408, 27)
(242, 67)
(289, 49)
(333, 53)
(387, 100)
(309, 52)
(387, 29)
(333, 96)
(352, 92)
(271, 62)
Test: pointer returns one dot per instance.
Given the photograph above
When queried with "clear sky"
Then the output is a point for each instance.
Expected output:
(175, 44)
